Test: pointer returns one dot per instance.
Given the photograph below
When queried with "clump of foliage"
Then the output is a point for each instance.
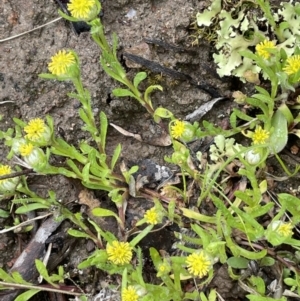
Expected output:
(248, 227)
(242, 25)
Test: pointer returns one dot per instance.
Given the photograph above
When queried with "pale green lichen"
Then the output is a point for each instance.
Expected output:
(238, 30)
(205, 18)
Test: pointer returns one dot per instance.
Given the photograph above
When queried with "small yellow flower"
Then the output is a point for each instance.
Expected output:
(119, 252)
(26, 149)
(198, 264)
(163, 269)
(292, 65)
(129, 294)
(177, 129)
(151, 216)
(262, 48)
(81, 9)
(4, 170)
(60, 62)
(35, 129)
(285, 229)
(7, 185)
(260, 136)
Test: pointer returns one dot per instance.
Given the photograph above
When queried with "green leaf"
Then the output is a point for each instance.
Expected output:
(84, 116)
(290, 281)
(18, 278)
(19, 122)
(290, 203)
(27, 295)
(287, 114)
(267, 261)
(133, 169)
(156, 292)
(156, 259)
(77, 233)
(116, 156)
(105, 212)
(30, 207)
(5, 276)
(103, 129)
(86, 173)
(138, 78)
(47, 76)
(148, 91)
(115, 44)
(109, 71)
(163, 113)
(119, 92)
(141, 235)
(4, 214)
(238, 262)
(108, 236)
(263, 91)
(279, 136)
(74, 167)
(42, 269)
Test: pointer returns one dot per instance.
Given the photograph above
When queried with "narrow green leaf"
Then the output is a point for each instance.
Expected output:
(77, 233)
(84, 117)
(163, 113)
(238, 262)
(279, 136)
(104, 212)
(103, 129)
(4, 214)
(30, 207)
(116, 156)
(115, 43)
(156, 259)
(267, 261)
(27, 295)
(18, 278)
(119, 92)
(138, 78)
(133, 169)
(5, 276)
(41, 268)
(47, 76)
(74, 167)
(141, 235)
(263, 91)
(19, 122)
(149, 90)
(86, 173)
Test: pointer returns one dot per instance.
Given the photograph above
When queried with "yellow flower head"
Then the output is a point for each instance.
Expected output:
(292, 65)
(285, 229)
(4, 170)
(26, 149)
(260, 136)
(81, 9)
(177, 129)
(60, 62)
(263, 47)
(35, 129)
(163, 269)
(7, 185)
(129, 294)
(119, 252)
(198, 264)
(151, 216)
